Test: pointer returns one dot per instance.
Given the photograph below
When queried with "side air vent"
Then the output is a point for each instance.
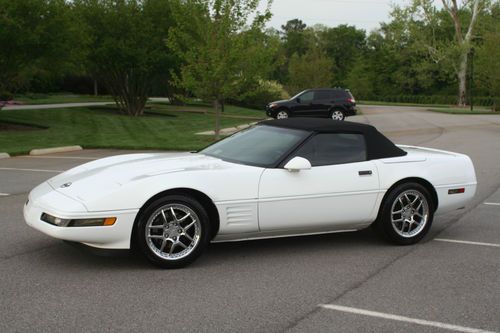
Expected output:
(239, 214)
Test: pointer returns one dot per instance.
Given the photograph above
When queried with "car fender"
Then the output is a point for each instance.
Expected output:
(234, 193)
(442, 172)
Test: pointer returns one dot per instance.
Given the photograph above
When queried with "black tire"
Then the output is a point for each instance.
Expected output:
(337, 114)
(201, 232)
(284, 112)
(387, 228)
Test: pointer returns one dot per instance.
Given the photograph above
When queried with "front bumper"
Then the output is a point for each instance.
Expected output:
(270, 112)
(46, 200)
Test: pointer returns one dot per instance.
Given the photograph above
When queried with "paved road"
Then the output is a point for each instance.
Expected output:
(272, 285)
(70, 105)
(54, 106)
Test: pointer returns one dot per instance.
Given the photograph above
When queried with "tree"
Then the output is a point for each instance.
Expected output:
(487, 71)
(38, 39)
(221, 55)
(128, 48)
(311, 70)
(360, 79)
(463, 41)
(294, 37)
(343, 44)
(400, 50)
(464, 19)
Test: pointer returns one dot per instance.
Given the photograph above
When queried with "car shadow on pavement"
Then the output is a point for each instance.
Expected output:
(63, 253)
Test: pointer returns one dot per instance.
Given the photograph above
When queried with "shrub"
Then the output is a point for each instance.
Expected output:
(434, 99)
(6, 96)
(265, 92)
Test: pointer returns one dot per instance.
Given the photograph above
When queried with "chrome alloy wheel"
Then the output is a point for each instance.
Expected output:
(173, 231)
(409, 213)
(282, 115)
(337, 115)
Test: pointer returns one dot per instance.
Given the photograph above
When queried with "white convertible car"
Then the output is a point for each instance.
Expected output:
(279, 178)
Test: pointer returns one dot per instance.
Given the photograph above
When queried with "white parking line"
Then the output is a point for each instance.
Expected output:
(492, 203)
(465, 242)
(403, 319)
(4, 194)
(33, 170)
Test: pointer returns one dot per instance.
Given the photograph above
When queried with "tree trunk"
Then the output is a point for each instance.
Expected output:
(217, 119)
(462, 81)
(96, 92)
(462, 41)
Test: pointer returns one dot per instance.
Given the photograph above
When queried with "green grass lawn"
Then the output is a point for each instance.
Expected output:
(229, 110)
(34, 99)
(479, 110)
(104, 127)
(361, 103)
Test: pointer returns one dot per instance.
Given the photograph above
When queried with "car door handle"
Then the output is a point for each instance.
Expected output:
(365, 172)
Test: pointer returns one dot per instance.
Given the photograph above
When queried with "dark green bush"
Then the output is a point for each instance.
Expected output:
(6, 96)
(434, 99)
(264, 93)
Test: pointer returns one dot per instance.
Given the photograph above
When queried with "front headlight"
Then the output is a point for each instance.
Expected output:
(273, 105)
(94, 222)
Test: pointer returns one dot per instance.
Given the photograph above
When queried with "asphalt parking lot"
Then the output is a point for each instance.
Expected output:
(351, 282)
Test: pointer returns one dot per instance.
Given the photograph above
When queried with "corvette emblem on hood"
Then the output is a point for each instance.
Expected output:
(66, 185)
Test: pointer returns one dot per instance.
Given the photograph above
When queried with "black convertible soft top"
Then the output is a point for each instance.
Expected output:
(378, 146)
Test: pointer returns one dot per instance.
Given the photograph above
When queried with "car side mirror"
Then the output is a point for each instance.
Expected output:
(297, 100)
(298, 163)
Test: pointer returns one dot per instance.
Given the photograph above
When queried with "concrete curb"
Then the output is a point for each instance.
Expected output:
(4, 155)
(229, 130)
(44, 151)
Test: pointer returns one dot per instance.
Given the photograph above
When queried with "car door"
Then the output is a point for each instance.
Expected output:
(303, 104)
(321, 103)
(338, 192)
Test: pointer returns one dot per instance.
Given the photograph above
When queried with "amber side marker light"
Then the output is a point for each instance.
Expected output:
(456, 190)
(90, 222)
(109, 221)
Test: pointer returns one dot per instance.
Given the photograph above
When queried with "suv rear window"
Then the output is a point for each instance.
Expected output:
(339, 94)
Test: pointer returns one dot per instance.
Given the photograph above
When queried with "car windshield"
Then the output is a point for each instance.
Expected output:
(262, 146)
(298, 95)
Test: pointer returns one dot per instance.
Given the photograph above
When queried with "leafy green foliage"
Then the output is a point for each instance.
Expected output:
(221, 55)
(265, 92)
(296, 39)
(127, 46)
(37, 42)
(343, 44)
(219, 50)
(311, 70)
(487, 56)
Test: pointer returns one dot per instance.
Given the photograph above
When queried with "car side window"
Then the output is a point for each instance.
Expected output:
(334, 148)
(321, 95)
(337, 94)
(307, 97)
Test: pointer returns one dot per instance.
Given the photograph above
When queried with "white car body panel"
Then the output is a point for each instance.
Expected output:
(443, 169)
(331, 192)
(252, 202)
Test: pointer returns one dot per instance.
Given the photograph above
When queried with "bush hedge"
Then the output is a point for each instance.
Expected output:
(264, 93)
(434, 99)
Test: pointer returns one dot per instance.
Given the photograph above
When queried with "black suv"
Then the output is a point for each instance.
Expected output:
(335, 103)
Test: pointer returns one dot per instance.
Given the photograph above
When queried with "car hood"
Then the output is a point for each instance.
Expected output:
(94, 179)
(280, 101)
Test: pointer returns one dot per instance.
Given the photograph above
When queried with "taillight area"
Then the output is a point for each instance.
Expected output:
(351, 100)
(456, 190)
